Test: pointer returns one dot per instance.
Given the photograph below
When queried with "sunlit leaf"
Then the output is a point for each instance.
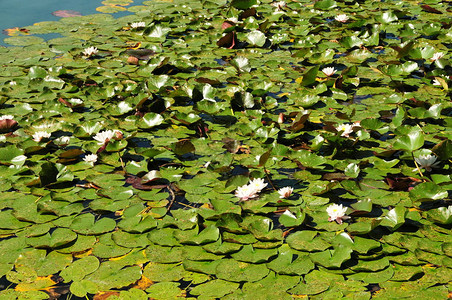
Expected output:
(411, 141)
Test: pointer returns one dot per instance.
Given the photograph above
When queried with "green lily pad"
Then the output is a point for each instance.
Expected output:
(85, 224)
(80, 268)
(215, 288)
(232, 270)
(164, 272)
(24, 40)
(427, 191)
(113, 274)
(373, 277)
(410, 141)
(165, 290)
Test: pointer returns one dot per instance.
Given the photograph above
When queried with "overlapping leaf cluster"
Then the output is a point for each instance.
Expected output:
(204, 97)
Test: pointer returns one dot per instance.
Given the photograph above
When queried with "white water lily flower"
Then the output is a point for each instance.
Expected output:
(343, 18)
(103, 136)
(346, 129)
(75, 101)
(285, 192)
(7, 117)
(437, 55)
(279, 5)
(257, 185)
(427, 162)
(245, 192)
(90, 158)
(39, 135)
(329, 71)
(336, 213)
(250, 190)
(436, 82)
(138, 25)
(90, 51)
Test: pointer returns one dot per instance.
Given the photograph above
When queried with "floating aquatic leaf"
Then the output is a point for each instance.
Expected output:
(23, 40)
(427, 191)
(244, 4)
(441, 215)
(325, 4)
(85, 224)
(165, 290)
(412, 140)
(80, 268)
(256, 38)
(232, 270)
(113, 274)
(151, 120)
(11, 155)
(215, 288)
(202, 107)
(54, 173)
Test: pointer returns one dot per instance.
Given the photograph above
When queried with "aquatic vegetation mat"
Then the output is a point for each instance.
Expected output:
(229, 150)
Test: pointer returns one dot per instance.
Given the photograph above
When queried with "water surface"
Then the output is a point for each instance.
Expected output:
(21, 13)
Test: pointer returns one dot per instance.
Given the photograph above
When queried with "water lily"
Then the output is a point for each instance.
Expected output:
(75, 101)
(138, 25)
(285, 192)
(346, 129)
(427, 162)
(39, 135)
(90, 158)
(279, 5)
(106, 135)
(329, 71)
(257, 184)
(246, 192)
(250, 190)
(336, 213)
(343, 18)
(437, 55)
(90, 51)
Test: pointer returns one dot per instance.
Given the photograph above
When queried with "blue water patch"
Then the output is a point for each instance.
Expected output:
(27, 12)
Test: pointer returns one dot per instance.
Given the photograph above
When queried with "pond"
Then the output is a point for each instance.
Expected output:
(27, 12)
(228, 149)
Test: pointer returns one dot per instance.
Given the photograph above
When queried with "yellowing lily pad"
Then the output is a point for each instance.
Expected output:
(110, 9)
